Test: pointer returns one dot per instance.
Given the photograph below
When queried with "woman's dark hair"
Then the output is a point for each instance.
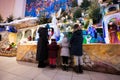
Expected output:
(52, 29)
(76, 26)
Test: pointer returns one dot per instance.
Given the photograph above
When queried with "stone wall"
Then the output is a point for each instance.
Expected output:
(97, 57)
(104, 57)
(5, 49)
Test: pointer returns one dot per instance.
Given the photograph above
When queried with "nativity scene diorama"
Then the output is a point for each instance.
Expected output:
(19, 38)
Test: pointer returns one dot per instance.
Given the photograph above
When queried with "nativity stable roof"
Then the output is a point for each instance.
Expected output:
(23, 23)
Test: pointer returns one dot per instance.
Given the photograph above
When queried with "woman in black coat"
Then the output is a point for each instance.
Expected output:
(76, 47)
(42, 49)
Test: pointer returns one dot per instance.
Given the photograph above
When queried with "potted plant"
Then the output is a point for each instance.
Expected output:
(94, 12)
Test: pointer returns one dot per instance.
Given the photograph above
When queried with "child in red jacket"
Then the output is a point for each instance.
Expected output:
(52, 53)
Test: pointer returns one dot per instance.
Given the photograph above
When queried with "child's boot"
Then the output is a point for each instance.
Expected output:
(63, 67)
(67, 67)
(80, 69)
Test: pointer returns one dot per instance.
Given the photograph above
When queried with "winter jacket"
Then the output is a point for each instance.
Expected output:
(76, 43)
(53, 50)
(65, 47)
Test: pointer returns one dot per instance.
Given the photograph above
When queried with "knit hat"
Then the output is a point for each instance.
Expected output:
(47, 26)
(53, 40)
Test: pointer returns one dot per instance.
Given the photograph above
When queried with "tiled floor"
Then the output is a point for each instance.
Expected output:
(10, 69)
